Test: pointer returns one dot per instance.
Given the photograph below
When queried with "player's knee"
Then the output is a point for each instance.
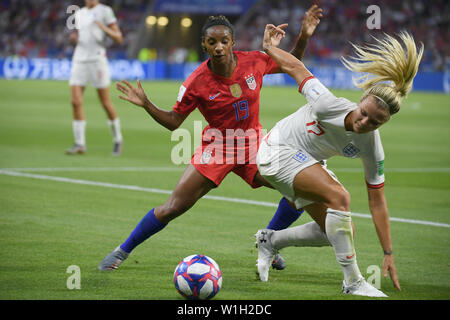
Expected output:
(76, 102)
(172, 209)
(339, 199)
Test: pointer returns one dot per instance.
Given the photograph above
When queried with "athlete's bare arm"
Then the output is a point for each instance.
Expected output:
(309, 24)
(168, 119)
(286, 61)
(380, 216)
(112, 31)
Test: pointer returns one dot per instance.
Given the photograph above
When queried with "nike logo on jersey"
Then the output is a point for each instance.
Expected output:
(214, 96)
(351, 256)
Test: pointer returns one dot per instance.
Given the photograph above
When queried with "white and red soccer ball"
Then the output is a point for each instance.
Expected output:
(198, 277)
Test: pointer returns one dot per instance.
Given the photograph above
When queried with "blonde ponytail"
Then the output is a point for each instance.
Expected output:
(389, 69)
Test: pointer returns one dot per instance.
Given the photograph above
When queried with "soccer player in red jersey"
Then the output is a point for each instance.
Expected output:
(225, 89)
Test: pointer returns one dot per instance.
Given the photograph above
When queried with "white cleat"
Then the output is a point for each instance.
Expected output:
(266, 252)
(76, 149)
(362, 288)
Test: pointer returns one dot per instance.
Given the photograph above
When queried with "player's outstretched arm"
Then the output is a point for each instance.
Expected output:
(136, 95)
(380, 216)
(309, 24)
(286, 61)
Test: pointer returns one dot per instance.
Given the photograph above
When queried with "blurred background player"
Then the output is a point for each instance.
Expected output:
(94, 23)
(290, 154)
(230, 100)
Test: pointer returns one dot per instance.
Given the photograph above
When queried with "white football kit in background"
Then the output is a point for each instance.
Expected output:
(314, 133)
(89, 61)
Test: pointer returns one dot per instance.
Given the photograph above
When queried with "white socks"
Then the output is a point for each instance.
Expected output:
(338, 226)
(79, 132)
(306, 235)
(339, 234)
(114, 125)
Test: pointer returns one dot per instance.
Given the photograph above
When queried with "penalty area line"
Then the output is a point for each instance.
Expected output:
(210, 197)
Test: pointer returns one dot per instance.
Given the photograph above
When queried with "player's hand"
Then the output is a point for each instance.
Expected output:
(134, 95)
(273, 35)
(100, 25)
(311, 20)
(73, 37)
(389, 266)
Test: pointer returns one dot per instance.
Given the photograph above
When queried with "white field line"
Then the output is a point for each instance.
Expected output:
(182, 168)
(98, 169)
(218, 198)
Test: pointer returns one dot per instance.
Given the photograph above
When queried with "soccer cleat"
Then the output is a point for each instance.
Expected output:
(362, 288)
(278, 262)
(113, 260)
(266, 252)
(76, 149)
(117, 149)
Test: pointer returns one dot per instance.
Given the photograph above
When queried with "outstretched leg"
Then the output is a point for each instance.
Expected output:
(285, 215)
(316, 184)
(331, 214)
(191, 187)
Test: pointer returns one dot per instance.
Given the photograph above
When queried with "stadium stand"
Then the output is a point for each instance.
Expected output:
(38, 28)
(346, 21)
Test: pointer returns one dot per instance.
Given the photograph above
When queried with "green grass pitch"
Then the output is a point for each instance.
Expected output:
(48, 225)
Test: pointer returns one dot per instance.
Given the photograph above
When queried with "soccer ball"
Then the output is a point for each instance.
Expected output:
(197, 277)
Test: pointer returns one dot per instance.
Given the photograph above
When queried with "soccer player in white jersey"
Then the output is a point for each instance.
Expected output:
(290, 155)
(94, 23)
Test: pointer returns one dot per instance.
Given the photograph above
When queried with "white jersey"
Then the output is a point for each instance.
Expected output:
(91, 39)
(319, 128)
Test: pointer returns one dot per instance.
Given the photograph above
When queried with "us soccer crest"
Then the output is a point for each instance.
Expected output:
(206, 156)
(251, 81)
(236, 90)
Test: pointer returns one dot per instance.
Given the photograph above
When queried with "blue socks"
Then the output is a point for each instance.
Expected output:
(284, 216)
(148, 226)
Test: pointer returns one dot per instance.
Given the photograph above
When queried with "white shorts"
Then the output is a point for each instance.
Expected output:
(94, 72)
(280, 164)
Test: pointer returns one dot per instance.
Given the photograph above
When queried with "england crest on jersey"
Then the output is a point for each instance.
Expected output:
(251, 81)
(301, 156)
(351, 151)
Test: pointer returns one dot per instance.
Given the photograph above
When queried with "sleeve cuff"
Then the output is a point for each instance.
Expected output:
(300, 88)
(375, 186)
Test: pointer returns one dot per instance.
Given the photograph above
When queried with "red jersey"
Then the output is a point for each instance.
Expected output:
(227, 103)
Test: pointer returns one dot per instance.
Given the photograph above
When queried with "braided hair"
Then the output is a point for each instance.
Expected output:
(215, 21)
